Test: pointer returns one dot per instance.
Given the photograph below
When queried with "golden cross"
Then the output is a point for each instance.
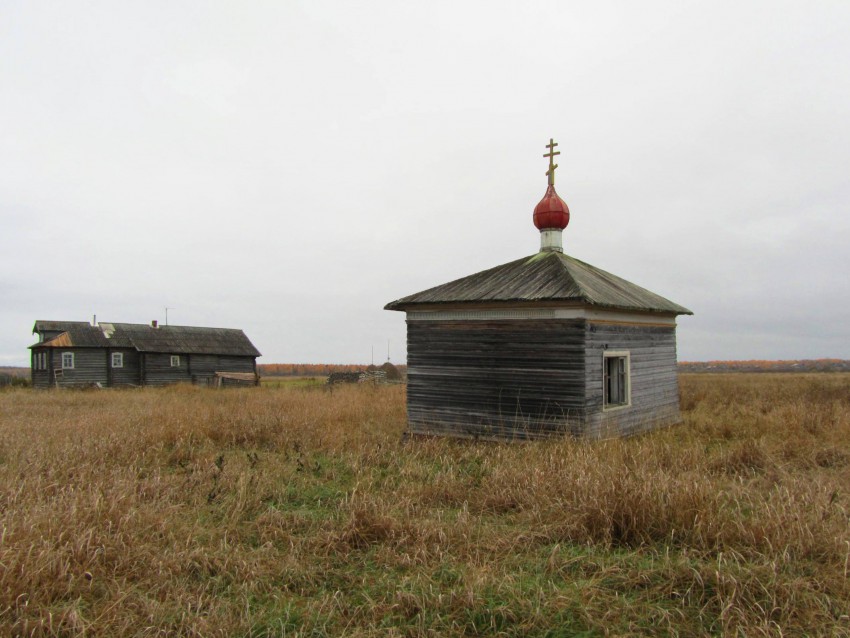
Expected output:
(551, 155)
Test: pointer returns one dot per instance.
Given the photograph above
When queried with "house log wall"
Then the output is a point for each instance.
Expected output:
(203, 367)
(94, 365)
(89, 367)
(514, 378)
(40, 378)
(129, 373)
(653, 378)
(236, 364)
(157, 369)
(197, 368)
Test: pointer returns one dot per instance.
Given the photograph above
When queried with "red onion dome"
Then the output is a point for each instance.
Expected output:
(552, 211)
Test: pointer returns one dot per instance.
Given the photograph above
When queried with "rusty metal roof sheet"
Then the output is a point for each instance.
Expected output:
(145, 338)
(543, 277)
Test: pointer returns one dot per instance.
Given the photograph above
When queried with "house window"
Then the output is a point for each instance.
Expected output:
(67, 360)
(175, 361)
(616, 382)
(117, 359)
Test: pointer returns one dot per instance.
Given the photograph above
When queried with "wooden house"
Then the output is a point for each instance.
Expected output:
(75, 353)
(542, 345)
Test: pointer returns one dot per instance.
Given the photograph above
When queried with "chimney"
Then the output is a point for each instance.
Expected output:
(94, 320)
(154, 324)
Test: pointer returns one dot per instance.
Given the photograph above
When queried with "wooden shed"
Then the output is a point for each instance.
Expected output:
(75, 353)
(540, 346)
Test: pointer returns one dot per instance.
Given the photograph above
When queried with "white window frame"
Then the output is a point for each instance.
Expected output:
(175, 361)
(627, 374)
(117, 359)
(70, 358)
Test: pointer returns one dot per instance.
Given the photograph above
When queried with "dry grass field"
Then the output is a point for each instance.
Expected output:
(300, 512)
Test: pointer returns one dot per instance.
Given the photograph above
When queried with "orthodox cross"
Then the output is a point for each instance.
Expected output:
(551, 155)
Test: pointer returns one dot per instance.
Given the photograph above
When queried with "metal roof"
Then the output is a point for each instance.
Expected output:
(543, 277)
(145, 338)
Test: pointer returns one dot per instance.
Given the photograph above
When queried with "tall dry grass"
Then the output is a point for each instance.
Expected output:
(194, 512)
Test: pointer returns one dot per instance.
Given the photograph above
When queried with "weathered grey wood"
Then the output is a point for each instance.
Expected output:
(518, 351)
(89, 368)
(235, 364)
(146, 350)
(653, 378)
(40, 378)
(493, 378)
(543, 277)
(159, 371)
(130, 373)
(525, 379)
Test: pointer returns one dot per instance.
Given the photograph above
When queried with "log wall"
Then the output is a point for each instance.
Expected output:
(501, 378)
(89, 367)
(129, 373)
(40, 378)
(94, 365)
(653, 378)
(157, 369)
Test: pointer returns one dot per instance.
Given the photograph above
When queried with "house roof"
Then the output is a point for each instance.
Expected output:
(43, 325)
(145, 338)
(543, 277)
(187, 339)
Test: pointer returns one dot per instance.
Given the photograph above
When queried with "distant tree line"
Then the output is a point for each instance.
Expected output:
(756, 365)
(308, 369)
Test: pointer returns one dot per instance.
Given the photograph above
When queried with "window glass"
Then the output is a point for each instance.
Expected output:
(67, 360)
(117, 359)
(615, 372)
(175, 361)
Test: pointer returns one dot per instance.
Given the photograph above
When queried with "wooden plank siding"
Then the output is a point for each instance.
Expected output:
(515, 378)
(227, 363)
(202, 368)
(146, 354)
(94, 365)
(653, 379)
(128, 374)
(196, 368)
(89, 367)
(159, 371)
(40, 378)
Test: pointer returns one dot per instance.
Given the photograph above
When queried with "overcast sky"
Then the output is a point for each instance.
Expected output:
(290, 167)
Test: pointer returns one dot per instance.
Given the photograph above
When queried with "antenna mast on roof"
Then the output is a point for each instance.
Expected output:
(166, 313)
(388, 350)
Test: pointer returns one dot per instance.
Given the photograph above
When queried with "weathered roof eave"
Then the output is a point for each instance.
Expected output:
(184, 340)
(542, 278)
(526, 303)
